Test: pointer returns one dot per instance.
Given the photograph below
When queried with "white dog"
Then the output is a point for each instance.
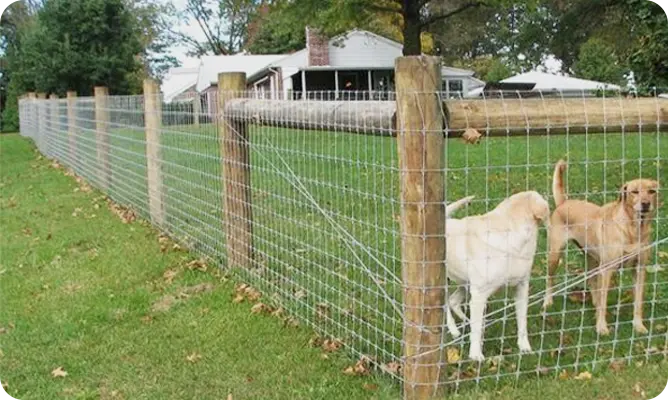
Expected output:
(487, 252)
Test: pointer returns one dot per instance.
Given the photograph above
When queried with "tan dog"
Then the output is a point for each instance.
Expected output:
(605, 234)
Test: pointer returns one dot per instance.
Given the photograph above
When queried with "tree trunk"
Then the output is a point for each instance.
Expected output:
(412, 29)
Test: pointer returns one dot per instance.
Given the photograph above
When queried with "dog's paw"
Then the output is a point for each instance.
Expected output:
(640, 328)
(525, 347)
(476, 356)
(602, 329)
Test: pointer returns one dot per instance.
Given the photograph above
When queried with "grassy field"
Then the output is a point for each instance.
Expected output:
(325, 208)
(80, 290)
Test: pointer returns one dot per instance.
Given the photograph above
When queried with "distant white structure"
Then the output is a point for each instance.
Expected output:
(550, 82)
(179, 84)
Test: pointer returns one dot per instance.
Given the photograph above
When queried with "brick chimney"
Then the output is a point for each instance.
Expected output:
(317, 47)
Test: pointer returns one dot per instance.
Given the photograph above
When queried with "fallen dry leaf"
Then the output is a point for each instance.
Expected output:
(332, 345)
(617, 365)
(662, 254)
(316, 341)
(169, 276)
(201, 288)
(146, 319)
(261, 308)
(322, 310)
(393, 368)
(292, 321)
(197, 265)
(238, 299)
(164, 304)
(194, 357)
(370, 387)
(583, 376)
(279, 312)
(563, 375)
(300, 294)
(360, 368)
(59, 373)
(452, 355)
(638, 391)
(660, 328)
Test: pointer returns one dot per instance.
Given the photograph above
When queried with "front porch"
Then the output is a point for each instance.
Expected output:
(325, 83)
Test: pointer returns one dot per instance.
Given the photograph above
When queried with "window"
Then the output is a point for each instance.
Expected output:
(455, 85)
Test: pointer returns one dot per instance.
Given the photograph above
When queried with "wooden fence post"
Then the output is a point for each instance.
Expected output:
(421, 161)
(41, 122)
(197, 108)
(152, 123)
(102, 136)
(236, 174)
(72, 124)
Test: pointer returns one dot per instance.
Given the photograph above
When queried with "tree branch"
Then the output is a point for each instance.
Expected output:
(441, 17)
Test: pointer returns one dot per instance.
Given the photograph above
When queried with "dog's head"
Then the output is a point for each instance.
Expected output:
(540, 208)
(640, 197)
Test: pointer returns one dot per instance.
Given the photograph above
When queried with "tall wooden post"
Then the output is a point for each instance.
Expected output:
(197, 108)
(72, 125)
(102, 136)
(152, 123)
(53, 128)
(236, 174)
(41, 122)
(421, 161)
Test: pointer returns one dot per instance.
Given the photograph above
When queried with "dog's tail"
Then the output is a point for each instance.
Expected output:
(452, 207)
(558, 183)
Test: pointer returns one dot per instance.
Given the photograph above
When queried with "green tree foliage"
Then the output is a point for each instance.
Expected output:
(649, 54)
(598, 61)
(487, 68)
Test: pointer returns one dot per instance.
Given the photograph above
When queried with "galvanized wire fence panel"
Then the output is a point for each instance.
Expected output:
(324, 198)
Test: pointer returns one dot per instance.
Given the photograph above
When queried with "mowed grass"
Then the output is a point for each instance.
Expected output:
(77, 292)
(326, 233)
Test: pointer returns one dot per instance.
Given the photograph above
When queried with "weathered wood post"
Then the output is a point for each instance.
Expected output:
(102, 136)
(421, 161)
(152, 123)
(235, 155)
(41, 122)
(197, 108)
(72, 124)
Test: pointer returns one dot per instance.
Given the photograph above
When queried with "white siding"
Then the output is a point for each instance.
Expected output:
(363, 50)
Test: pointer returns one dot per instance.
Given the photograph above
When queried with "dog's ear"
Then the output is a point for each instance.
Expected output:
(540, 209)
(623, 193)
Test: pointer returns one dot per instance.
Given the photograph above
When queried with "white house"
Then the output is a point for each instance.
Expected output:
(179, 84)
(358, 64)
(550, 82)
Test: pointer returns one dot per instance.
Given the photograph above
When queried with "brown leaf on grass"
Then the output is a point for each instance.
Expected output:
(146, 319)
(361, 368)
(617, 365)
(261, 308)
(279, 312)
(300, 294)
(253, 294)
(194, 357)
(59, 373)
(169, 275)
(393, 368)
(196, 289)
(659, 328)
(292, 322)
(198, 265)
(579, 296)
(238, 299)
(27, 231)
(583, 376)
(322, 310)
(332, 345)
(316, 341)
(563, 375)
(638, 391)
(452, 355)
(370, 387)
(126, 215)
(164, 304)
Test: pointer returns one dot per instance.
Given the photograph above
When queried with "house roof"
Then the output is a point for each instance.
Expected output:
(211, 66)
(177, 81)
(545, 81)
(299, 61)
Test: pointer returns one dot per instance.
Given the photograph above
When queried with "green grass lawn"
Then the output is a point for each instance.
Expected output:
(77, 288)
(325, 208)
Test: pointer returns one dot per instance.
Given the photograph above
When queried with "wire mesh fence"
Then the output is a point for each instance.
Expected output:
(319, 189)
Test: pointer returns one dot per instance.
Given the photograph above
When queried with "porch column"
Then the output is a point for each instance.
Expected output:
(303, 85)
(370, 85)
(336, 84)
